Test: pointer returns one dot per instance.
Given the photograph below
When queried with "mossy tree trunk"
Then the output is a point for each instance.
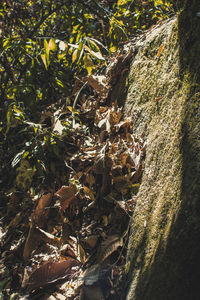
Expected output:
(164, 101)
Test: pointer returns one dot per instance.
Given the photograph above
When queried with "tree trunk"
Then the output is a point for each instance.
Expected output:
(164, 101)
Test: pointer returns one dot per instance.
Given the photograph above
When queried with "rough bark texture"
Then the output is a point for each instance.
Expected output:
(164, 101)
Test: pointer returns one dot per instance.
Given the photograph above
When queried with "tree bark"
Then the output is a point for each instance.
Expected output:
(164, 101)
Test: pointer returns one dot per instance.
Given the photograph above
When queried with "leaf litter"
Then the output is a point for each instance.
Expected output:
(70, 240)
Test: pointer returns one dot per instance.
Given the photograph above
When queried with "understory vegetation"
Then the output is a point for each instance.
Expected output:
(70, 162)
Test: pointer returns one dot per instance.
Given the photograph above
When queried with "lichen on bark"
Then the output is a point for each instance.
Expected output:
(164, 102)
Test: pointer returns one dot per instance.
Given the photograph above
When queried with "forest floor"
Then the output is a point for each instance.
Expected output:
(69, 239)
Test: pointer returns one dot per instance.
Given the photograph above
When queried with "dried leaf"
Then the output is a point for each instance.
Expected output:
(67, 195)
(89, 193)
(67, 251)
(81, 253)
(50, 272)
(16, 220)
(32, 242)
(104, 124)
(159, 51)
(48, 237)
(42, 210)
(90, 242)
(98, 84)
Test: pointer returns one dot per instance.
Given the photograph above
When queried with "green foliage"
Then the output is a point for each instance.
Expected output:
(44, 46)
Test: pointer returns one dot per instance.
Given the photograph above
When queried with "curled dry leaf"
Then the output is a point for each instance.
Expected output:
(67, 195)
(109, 246)
(50, 272)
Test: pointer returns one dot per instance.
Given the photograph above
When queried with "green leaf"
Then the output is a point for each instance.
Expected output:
(9, 118)
(88, 63)
(81, 49)
(59, 82)
(97, 42)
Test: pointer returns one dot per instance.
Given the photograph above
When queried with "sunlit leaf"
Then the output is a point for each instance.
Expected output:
(74, 55)
(97, 42)
(81, 252)
(73, 110)
(113, 49)
(59, 82)
(44, 59)
(73, 45)
(52, 45)
(94, 44)
(88, 16)
(98, 55)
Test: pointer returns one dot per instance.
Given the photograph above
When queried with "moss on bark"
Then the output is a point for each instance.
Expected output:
(164, 101)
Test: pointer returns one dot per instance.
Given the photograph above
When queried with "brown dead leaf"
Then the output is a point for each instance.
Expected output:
(32, 241)
(123, 124)
(98, 84)
(115, 117)
(48, 237)
(42, 210)
(50, 272)
(67, 251)
(67, 195)
(159, 50)
(16, 220)
(89, 193)
(90, 241)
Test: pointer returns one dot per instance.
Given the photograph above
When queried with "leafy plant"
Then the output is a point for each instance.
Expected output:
(44, 47)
